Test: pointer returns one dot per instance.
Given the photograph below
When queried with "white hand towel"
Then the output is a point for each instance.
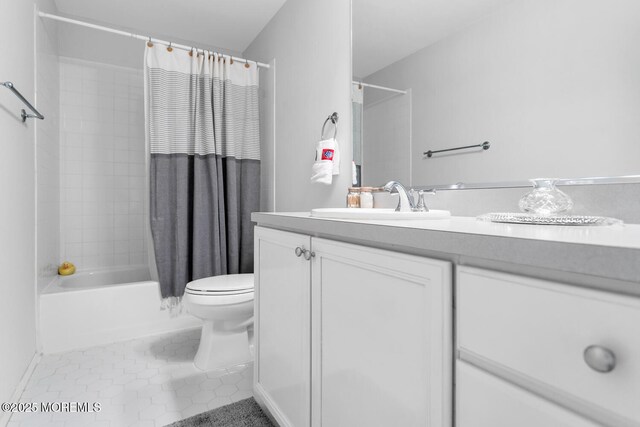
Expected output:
(354, 174)
(321, 172)
(327, 161)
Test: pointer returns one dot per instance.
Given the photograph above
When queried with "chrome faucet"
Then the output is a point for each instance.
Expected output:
(407, 202)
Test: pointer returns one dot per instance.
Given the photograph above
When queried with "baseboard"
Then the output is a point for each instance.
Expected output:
(268, 407)
(5, 417)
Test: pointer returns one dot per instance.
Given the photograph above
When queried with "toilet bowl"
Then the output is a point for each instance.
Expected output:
(225, 304)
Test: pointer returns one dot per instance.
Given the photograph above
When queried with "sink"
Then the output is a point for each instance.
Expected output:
(381, 214)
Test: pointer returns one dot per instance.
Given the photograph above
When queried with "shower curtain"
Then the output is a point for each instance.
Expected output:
(202, 124)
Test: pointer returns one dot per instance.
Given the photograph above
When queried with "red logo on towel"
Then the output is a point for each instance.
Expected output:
(327, 154)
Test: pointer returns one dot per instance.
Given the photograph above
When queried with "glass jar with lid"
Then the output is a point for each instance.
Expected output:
(366, 197)
(353, 197)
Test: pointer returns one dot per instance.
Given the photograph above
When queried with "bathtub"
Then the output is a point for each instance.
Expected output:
(104, 306)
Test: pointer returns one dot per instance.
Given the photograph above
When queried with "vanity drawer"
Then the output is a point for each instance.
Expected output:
(486, 400)
(539, 330)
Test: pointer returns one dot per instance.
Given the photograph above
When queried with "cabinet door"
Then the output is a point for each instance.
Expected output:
(282, 326)
(485, 400)
(381, 338)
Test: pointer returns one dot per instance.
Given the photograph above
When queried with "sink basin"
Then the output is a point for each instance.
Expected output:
(381, 214)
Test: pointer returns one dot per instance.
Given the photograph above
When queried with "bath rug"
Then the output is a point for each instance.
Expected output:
(245, 413)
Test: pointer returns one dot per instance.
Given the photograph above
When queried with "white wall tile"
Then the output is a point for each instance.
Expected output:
(102, 152)
(90, 248)
(136, 233)
(89, 235)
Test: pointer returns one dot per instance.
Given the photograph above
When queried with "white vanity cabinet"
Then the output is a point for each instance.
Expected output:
(553, 345)
(362, 335)
(357, 336)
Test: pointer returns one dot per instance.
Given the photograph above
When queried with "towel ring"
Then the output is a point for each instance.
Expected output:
(334, 121)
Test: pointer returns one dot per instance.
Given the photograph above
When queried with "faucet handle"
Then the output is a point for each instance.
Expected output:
(412, 194)
(421, 206)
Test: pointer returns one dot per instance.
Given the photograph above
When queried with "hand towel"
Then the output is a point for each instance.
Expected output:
(327, 161)
(354, 174)
(321, 172)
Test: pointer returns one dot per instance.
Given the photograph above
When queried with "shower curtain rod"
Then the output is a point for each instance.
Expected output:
(137, 36)
(388, 89)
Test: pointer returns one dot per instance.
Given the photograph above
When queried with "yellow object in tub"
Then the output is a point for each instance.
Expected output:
(66, 269)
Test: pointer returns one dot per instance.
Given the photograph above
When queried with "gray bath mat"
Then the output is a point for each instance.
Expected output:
(245, 413)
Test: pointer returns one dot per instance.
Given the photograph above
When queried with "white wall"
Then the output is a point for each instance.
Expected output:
(18, 193)
(103, 165)
(552, 84)
(311, 44)
(267, 91)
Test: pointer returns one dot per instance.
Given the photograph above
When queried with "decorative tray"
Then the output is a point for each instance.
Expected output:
(522, 218)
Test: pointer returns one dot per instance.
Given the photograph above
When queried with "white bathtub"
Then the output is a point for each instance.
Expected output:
(104, 306)
(100, 278)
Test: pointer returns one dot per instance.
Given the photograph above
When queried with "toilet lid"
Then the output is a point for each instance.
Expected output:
(229, 283)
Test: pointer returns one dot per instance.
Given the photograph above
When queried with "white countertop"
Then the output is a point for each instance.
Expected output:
(600, 251)
(622, 236)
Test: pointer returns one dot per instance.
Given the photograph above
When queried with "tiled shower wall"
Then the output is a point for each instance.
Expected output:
(102, 162)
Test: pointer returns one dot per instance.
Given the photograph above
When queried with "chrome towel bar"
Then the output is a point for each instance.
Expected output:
(24, 114)
(485, 146)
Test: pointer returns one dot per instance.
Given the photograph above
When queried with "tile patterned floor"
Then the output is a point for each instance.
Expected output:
(144, 382)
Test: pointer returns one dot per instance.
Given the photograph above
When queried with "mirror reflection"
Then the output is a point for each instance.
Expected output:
(553, 85)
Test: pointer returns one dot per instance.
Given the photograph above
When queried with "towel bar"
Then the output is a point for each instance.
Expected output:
(485, 146)
(24, 114)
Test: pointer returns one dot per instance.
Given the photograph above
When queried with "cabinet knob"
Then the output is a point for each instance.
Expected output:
(599, 358)
(308, 254)
(299, 251)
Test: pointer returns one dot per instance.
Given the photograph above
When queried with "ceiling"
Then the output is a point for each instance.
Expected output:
(229, 24)
(386, 31)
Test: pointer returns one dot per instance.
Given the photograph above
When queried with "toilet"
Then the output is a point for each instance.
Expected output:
(225, 304)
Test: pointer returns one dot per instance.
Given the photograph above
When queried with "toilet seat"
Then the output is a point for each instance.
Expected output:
(216, 293)
(227, 285)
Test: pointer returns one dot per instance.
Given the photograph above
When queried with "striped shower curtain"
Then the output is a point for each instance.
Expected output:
(202, 124)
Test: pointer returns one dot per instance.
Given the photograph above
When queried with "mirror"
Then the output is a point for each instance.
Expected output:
(552, 85)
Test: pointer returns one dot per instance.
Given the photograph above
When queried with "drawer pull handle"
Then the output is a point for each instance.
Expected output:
(299, 251)
(308, 254)
(600, 359)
